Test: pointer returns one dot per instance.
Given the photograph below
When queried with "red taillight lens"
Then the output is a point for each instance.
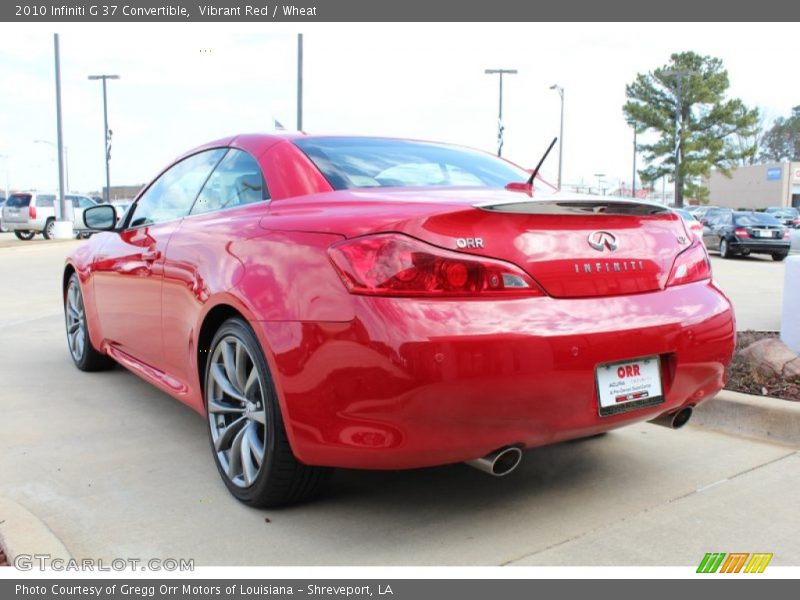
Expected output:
(393, 264)
(31, 212)
(690, 265)
(741, 232)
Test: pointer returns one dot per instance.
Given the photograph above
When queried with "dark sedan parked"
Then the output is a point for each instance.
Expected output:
(788, 215)
(745, 233)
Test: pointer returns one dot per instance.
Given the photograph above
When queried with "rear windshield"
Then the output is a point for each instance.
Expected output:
(45, 200)
(349, 163)
(756, 219)
(17, 200)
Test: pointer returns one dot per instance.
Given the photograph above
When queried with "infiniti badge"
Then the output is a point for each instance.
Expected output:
(600, 240)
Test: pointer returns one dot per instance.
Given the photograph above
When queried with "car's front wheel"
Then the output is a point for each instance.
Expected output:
(84, 355)
(248, 438)
(24, 235)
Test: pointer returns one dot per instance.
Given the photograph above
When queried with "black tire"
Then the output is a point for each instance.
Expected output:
(24, 235)
(724, 250)
(47, 232)
(281, 479)
(779, 256)
(88, 358)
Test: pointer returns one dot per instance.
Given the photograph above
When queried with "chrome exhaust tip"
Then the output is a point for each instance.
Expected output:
(674, 420)
(498, 463)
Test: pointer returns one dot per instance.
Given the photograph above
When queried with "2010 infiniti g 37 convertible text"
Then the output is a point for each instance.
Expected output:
(390, 304)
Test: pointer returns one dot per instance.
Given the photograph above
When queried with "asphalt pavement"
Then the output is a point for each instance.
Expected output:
(115, 468)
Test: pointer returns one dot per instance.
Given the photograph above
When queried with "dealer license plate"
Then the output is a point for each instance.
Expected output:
(628, 385)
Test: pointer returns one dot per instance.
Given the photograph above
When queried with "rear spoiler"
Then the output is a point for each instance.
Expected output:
(588, 205)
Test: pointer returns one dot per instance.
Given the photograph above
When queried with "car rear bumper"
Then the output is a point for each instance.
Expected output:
(761, 246)
(23, 226)
(412, 383)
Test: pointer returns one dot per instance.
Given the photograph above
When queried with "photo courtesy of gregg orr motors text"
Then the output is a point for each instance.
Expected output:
(186, 589)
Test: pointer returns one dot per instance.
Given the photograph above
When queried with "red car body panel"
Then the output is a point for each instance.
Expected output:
(386, 383)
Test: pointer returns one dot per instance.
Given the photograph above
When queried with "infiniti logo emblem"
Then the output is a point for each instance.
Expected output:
(600, 240)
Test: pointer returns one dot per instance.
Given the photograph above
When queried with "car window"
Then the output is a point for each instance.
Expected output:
(18, 200)
(236, 181)
(749, 219)
(173, 193)
(45, 200)
(373, 162)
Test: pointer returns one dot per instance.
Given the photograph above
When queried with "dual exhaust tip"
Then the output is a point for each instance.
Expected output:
(501, 462)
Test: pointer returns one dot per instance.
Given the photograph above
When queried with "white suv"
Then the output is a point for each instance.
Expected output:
(29, 213)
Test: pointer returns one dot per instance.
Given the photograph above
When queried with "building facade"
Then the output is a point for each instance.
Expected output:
(756, 186)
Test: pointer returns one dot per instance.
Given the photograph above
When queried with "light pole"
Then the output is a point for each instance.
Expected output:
(299, 82)
(66, 160)
(500, 127)
(7, 159)
(560, 91)
(633, 176)
(678, 74)
(106, 132)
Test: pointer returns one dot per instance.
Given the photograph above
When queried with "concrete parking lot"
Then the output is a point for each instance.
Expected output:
(115, 468)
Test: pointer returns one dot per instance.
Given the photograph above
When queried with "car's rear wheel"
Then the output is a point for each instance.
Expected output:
(49, 229)
(84, 355)
(724, 250)
(24, 235)
(248, 438)
(779, 256)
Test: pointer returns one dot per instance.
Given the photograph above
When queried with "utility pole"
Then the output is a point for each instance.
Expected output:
(106, 132)
(299, 82)
(62, 228)
(560, 91)
(500, 127)
(633, 177)
(678, 74)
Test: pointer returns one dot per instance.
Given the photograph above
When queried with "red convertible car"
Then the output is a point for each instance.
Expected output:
(390, 304)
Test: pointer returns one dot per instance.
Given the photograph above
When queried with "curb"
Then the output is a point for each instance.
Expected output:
(22, 532)
(760, 417)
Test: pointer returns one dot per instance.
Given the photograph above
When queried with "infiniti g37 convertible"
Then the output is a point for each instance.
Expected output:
(390, 304)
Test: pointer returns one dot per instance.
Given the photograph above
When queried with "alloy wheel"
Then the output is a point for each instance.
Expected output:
(76, 321)
(236, 411)
(50, 229)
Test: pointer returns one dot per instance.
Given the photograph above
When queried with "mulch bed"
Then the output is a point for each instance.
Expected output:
(742, 377)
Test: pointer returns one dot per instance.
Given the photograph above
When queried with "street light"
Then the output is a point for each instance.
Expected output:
(633, 177)
(560, 91)
(106, 131)
(66, 159)
(500, 127)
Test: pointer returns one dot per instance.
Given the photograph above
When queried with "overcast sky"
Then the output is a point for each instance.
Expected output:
(184, 84)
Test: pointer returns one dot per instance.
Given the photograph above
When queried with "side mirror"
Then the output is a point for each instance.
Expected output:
(100, 218)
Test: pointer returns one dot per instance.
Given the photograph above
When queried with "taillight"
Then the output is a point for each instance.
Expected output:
(690, 265)
(31, 212)
(741, 232)
(393, 264)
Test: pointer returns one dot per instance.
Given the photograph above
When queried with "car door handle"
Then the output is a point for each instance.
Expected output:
(151, 255)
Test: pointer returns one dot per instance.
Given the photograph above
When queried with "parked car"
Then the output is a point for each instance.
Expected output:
(713, 214)
(788, 215)
(748, 233)
(699, 212)
(29, 213)
(390, 304)
(692, 224)
(2, 227)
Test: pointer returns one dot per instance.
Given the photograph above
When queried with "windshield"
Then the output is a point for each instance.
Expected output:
(748, 219)
(372, 162)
